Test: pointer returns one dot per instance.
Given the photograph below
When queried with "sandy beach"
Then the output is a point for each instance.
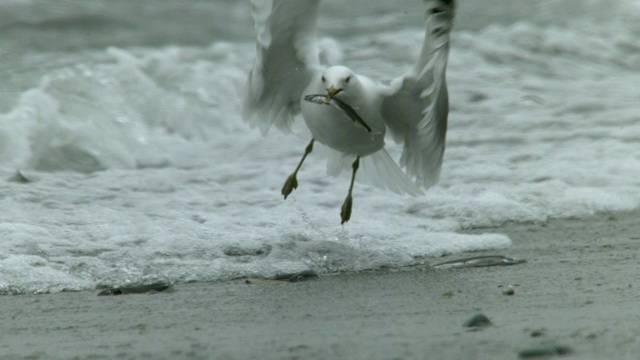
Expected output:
(578, 291)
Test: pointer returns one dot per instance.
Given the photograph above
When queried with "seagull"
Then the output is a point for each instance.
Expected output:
(288, 79)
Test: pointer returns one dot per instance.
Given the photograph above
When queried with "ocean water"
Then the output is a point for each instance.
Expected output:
(123, 157)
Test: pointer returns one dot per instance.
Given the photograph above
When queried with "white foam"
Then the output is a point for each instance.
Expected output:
(143, 170)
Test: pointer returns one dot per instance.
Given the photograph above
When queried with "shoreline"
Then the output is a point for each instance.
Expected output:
(578, 289)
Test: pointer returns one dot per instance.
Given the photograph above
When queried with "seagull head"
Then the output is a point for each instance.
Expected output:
(339, 80)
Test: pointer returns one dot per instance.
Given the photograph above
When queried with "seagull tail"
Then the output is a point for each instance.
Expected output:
(378, 169)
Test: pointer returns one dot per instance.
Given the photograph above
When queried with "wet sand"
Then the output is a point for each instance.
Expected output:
(579, 289)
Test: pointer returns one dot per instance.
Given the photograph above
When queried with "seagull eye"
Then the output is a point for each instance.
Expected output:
(323, 79)
(347, 79)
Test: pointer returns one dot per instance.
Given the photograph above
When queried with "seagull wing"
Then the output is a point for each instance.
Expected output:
(286, 59)
(416, 105)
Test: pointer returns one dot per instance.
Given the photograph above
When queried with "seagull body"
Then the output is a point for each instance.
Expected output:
(412, 108)
(331, 127)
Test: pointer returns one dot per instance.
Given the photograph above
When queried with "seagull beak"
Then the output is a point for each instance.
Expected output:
(332, 92)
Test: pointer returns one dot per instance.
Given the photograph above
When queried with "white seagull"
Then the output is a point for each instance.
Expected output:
(413, 107)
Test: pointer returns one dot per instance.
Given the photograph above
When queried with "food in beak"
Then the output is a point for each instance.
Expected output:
(328, 100)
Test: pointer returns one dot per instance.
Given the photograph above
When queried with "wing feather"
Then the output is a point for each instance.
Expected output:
(416, 105)
(286, 58)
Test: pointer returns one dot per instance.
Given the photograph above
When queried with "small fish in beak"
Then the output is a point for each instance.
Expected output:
(327, 100)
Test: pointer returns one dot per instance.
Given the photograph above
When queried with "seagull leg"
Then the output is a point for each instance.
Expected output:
(345, 212)
(292, 182)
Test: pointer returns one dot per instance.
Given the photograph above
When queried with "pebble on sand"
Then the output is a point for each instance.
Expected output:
(137, 289)
(478, 321)
(544, 351)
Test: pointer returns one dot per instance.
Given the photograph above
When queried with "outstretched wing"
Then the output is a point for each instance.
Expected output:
(416, 105)
(286, 58)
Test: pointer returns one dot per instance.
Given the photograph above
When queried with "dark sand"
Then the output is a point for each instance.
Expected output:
(579, 289)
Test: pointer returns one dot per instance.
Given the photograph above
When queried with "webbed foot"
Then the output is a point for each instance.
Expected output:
(289, 185)
(345, 212)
